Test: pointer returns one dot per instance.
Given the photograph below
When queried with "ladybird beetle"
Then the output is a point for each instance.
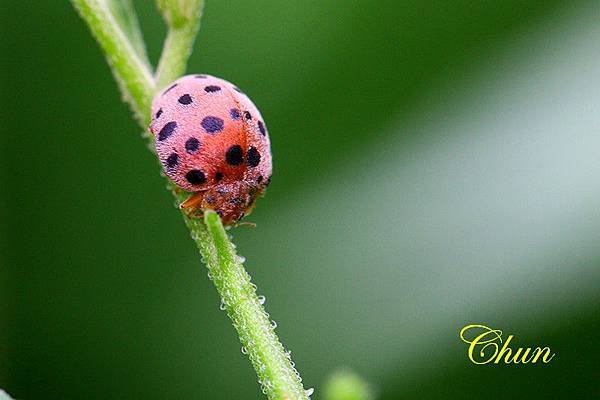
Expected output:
(212, 141)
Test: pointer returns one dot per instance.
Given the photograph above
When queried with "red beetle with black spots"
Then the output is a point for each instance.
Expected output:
(211, 140)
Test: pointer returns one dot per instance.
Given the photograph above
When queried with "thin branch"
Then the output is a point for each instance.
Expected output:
(126, 17)
(276, 374)
(131, 73)
(183, 24)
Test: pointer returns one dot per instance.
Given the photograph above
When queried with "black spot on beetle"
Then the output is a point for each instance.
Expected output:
(261, 128)
(212, 89)
(210, 199)
(234, 155)
(212, 124)
(218, 176)
(200, 76)
(247, 115)
(253, 157)
(158, 113)
(192, 145)
(195, 177)
(172, 160)
(259, 179)
(185, 99)
(167, 130)
(234, 113)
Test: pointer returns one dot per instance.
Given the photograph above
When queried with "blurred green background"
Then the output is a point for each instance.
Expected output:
(436, 164)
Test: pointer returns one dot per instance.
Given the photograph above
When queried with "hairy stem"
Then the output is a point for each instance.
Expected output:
(131, 73)
(273, 366)
(183, 27)
(126, 17)
(277, 376)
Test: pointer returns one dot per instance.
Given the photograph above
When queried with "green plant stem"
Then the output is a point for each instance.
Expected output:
(131, 73)
(126, 17)
(178, 47)
(278, 378)
(273, 366)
